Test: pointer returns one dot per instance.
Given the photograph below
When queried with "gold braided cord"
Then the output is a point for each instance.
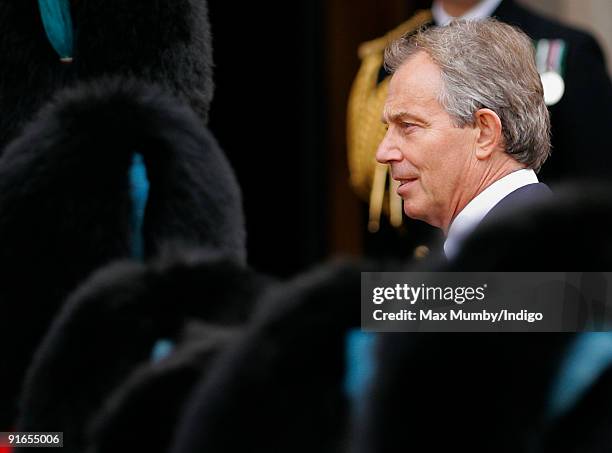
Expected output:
(377, 194)
(378, 45)
(365, 130)
(396, 207)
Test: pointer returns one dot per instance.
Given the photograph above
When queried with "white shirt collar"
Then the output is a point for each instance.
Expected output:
(471, 215)
(482, 10)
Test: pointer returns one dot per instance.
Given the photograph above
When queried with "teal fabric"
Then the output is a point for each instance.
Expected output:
(586, 359)
(161, 349)
(360, 367)
(139, 192)
(57, 22)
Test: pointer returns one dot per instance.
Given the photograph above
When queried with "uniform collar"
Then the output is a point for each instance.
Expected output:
(472, 214)
(482, 10)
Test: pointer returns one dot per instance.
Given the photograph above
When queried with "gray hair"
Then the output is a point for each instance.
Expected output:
(486, 64)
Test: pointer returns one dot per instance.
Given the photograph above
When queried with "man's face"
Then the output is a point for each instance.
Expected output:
(431, 158)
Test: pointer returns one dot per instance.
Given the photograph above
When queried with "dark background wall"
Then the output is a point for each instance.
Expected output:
(283, 76)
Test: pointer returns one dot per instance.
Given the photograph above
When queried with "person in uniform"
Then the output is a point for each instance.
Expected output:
(577, 90)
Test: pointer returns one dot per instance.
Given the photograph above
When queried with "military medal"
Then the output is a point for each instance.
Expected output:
(554, 87)
(549, 57)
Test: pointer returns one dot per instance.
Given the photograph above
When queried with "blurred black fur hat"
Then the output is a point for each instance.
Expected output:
(491, 391)
(281, 385)
(167, 43)
(66, 207)
(97, 364)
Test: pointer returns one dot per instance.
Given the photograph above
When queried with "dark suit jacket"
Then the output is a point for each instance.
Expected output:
(531, 193)
(522, 201)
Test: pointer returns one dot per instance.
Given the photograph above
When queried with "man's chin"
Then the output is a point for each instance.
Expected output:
(413, 212)
(418, 214)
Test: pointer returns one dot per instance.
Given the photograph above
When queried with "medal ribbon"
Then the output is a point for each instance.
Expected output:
(550, 55)
(57, 21)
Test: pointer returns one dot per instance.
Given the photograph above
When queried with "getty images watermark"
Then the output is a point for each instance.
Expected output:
(486, 301)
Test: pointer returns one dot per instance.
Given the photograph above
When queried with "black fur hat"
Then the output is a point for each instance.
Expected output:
(158, 41)
(281, 386)
(569, 231)
(587, 426)
(153, 397)
(65, 207)
(486, 392)
(95, 364)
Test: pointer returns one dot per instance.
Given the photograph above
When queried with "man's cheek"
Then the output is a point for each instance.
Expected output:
(424, 187)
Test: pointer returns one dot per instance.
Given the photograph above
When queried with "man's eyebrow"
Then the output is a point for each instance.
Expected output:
(399, 115)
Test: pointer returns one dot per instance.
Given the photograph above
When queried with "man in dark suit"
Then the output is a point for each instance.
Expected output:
(576, 82)
(468, 127)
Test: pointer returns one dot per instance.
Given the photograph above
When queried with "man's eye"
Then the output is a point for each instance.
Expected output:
(407, 127)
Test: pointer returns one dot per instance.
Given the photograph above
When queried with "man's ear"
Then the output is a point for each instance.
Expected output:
(489, 133)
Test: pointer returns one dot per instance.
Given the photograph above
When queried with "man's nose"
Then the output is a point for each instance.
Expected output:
(388, 151)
